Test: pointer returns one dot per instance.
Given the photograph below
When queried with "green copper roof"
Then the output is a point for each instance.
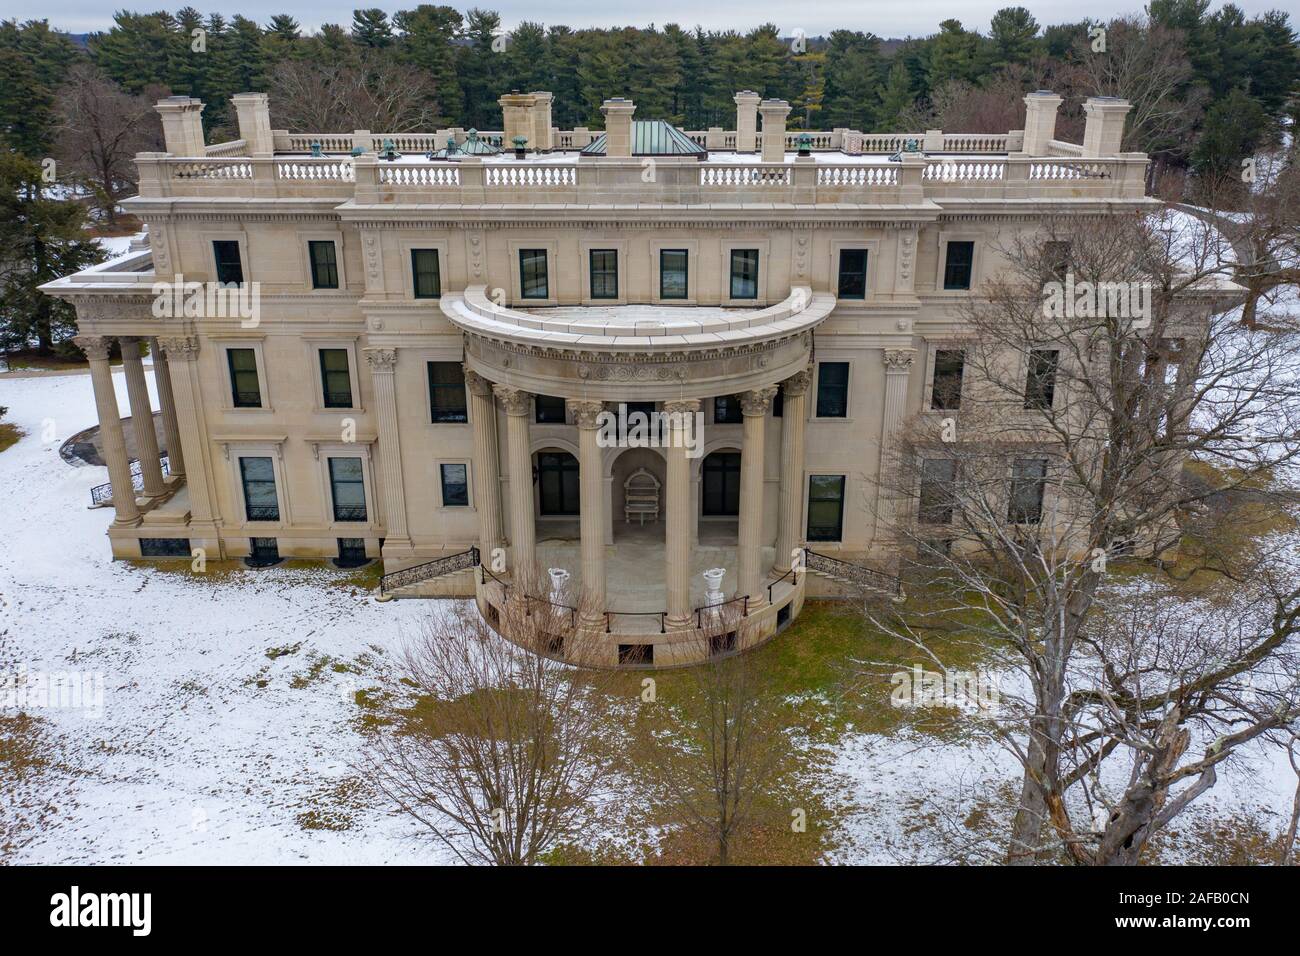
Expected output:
(473, 146)
(652, 138)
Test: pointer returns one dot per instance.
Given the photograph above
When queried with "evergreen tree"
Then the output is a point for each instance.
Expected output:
(371, 28)
(895, 98)
(1234, 127)
(477, 68)
(427, 34)
(1013, 37)
(954, 54)
(854, 71)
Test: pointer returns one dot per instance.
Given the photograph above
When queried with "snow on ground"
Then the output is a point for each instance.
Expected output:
(192, 761)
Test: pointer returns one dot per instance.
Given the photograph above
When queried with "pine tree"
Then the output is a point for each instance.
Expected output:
(895, 98)
(371, 28)
(426, 35)
(1013, 37)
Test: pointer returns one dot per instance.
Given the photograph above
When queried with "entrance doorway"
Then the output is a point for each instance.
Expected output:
(557, 480)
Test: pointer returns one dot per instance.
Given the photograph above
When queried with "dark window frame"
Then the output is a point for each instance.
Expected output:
(822, 532)
(223, 264)
(330, 397)
(727, 410)
(830, 391)
(960, 272)
(417, 273)
(528, 284)
(456, 499)
(935, 503)
(342, 511)
(546, 411)
(604, 273)
(1022, 485)
(455, 412)
(1040, 379)
(252, 511)
(324, 269)
(239, 391)
(722, 470)
(685, 272)
(946, 385)
(746, 259)
(855, 277)
(558, 466)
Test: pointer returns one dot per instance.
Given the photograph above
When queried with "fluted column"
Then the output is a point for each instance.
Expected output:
(162, 381)
(487, 481)
(110, 429)
(146, 439)
(519, 459)
(790, 510)
(383, 366)
(898, 367)
(591, 484)
(182, 358)
(677, 538)
(754, 404)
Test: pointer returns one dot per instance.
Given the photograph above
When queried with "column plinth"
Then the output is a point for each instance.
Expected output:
(591, 515)
(146, 439)
(795, 410)
(754, 404)
(677, 532)
(110, 429)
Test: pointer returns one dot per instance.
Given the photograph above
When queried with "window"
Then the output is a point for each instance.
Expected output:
(549, 410)
(324, 264)
(721, 476)
(825, 507)
(425, 276)
(260, 501)
(832, 389)
(1056, 258)
(744, 273)
(945, 392)
(672, 274)
(230, 270)
(853, 274)
(727, 410)
(532, 274)
(335, 379)
(938, 477)
(1040, 383)
(778, 402)
(352, 552)
(244, 389)
(632, 655)
(455, 485)
(164, 547)
(604, 273)
(447, 393)
(635, 424)
(348, 487)
(557, 475)
(957, 267)
(1028, 478)
(263, 552)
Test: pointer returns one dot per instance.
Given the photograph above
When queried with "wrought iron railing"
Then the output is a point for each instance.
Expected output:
(857, 574)
(610, 615)
(718, 609)
(102, 493)
(792, 574)
(428, 570)
(349, 512)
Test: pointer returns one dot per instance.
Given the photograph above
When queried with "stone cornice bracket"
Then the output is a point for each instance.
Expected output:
(95, 346)
(757, 402)
(515, 400)
(685, 406)
(585, 412)
(382, 360)
(477, 384)
(798, 383)
(183, 348)
(899, 360)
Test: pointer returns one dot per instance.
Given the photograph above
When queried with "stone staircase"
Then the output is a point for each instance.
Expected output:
(855, 579)
(449, 576)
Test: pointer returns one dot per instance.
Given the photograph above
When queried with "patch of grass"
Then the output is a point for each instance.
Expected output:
(274, 653)
(9, 435)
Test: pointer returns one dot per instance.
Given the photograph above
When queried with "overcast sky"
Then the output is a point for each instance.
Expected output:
(887, 19)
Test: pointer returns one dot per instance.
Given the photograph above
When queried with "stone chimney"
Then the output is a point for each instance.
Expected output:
(1040, 121)
(1103, 131)
(254, 112)
(774, 114)
(182, 121)
(541, 138)
(618, 126)
(747, 121)
(517, 117)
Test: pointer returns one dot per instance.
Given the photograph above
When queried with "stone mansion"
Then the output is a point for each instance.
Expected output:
(413, 338)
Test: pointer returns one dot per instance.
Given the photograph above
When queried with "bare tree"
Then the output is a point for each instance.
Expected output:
(372, 92)
(100, 128)
(1288, 840)
(498, 759)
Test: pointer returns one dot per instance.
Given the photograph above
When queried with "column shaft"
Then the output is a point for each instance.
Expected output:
(519, 458)
(167, 404)
(898, 366)
(146, 439)
(750, 539)
(110, 429)
(677, 537)
(383, 366)
(789, 533)
(487, 481)
(591, 486)
(182, 360)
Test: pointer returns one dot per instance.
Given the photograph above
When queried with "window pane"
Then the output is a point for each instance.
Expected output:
(604, 274)
(455, 486)
(853, 274)
(727, 410)
(324, 264)
(260, 501)
(532, 273)
(937, 478)
(825, 507)
(549, 410)
(229, 267)
(336, 383)
(832, 389)
(957, 267)
(1040, 384)
(672, 274)
(447, 401)
(948, 367)
(744, 273)
(425, 274)
(348, 487)
(1028, 477)
(244, 389)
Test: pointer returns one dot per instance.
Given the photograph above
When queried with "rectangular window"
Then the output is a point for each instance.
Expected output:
(447, 393)
(778, 402)
(938, 477)
(263, 551)
(335, 379)
(945, 393)
(825, 507)
(957, 267)
(324, 264)
(1028, 479)
(425, 276)
(348, 488)
(744, 273)
(1040, 382)
(604, 273)
(352, 551)
(260, 501)
(853, 274)
(532, 274)
(165, 548)
(455, 485)
(230, 269)
(672, 274)
(720, 476)
(727, 410)
(549, 410)
(1056, 258)
(244, 389)
(832, 389)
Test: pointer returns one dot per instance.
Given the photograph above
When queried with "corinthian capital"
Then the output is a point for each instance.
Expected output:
(756, 402)
(382, 360)
(515, 400)
(585, 412)
(183, 348)
(798, 383)
(685, 406)
(95, 346)
(899, 360)
(477, 384)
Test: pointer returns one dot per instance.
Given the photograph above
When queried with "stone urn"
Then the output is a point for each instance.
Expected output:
(713, 585)
(559, 585)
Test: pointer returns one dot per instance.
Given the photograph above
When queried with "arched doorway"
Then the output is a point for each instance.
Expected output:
(558, 494)
(719, 497)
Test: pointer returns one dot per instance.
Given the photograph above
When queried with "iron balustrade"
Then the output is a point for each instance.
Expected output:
(857, 574)
(610, 615)
(430, 569)
(102, 493)
(743, 601)
(792, 574)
